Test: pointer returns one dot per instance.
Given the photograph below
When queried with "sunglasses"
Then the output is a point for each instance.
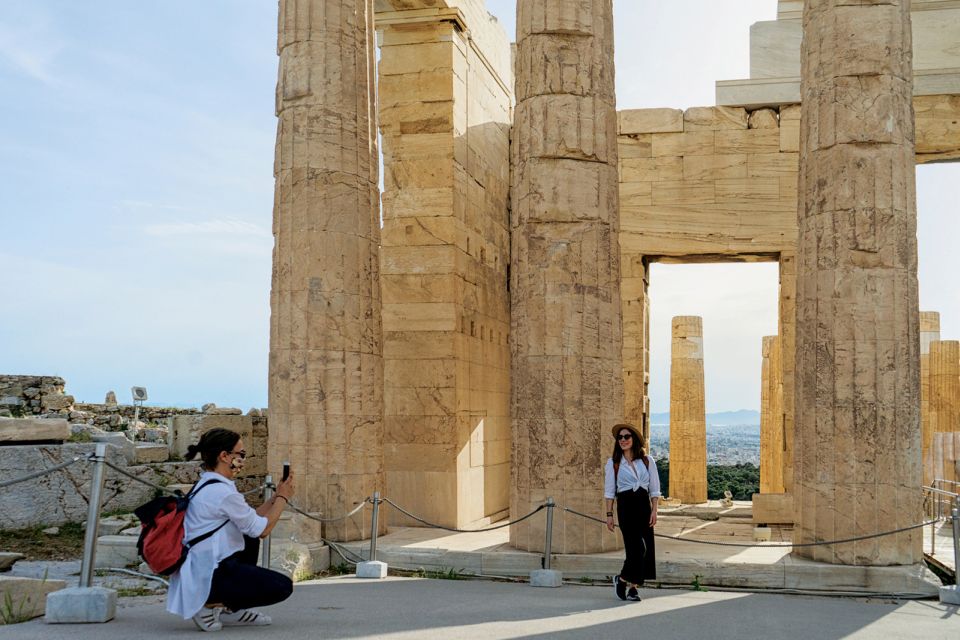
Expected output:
(242, 453)
(625, 436)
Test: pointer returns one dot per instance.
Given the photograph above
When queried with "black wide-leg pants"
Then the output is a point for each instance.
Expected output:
(238, 583)
(633, 515)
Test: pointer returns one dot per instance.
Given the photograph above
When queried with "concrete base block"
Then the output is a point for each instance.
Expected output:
(81, 604)
(546, 578)
(761, 534)
(950, 594)
(372, 569)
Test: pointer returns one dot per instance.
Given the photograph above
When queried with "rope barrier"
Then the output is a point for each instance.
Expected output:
(337, 519)
(37, 474)
(775, 544)
(124, 472)
(164, 489)
(455, 530)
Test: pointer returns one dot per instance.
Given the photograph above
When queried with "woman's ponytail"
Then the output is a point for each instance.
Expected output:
(192, 452)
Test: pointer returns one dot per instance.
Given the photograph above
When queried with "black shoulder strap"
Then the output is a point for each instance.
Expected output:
(196, 490)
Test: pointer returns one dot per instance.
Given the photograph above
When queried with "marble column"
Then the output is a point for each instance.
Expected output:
(688, 419)
(929, 332)
(944, 386)
(326, 367)
(857, 466)
(565, 338)
(771, 419)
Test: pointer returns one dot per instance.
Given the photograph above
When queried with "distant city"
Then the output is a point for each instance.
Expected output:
(733, 437)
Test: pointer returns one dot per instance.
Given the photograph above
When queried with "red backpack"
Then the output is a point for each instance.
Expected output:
(161, 542)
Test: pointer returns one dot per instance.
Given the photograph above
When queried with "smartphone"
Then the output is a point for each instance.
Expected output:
(286, 471)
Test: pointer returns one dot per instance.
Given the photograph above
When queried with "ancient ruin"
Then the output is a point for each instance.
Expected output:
(516, 331)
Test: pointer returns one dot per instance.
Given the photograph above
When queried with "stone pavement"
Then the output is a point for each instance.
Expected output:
(408, 608)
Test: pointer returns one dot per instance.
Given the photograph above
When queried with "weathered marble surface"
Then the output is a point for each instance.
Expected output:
(326, 367)
(567, 385)
(857, 406)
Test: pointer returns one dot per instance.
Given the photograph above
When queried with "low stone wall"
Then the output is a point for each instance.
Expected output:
(34, 395)
(62, 496)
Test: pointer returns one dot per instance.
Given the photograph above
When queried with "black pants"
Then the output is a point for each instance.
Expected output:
(238, 583)
(633, 514)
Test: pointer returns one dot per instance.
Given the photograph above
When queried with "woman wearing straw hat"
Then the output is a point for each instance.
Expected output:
(631, 477)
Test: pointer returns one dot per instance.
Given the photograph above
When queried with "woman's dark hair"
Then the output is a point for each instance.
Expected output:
(636, 447)
(211, 444)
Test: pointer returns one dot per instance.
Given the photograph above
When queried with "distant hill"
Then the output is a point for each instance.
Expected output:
(720, 419)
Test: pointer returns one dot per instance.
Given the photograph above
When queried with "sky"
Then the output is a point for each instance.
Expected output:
(136, 192)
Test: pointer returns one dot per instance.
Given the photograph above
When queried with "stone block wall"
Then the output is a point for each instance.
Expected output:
(185, 430)
(708, 184)
(63, 495)
(34, 395)
(445, 110)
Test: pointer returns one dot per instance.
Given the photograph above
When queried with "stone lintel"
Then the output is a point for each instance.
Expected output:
(756, 93)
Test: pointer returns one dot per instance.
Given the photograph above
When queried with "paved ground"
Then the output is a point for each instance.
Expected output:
(407, 608)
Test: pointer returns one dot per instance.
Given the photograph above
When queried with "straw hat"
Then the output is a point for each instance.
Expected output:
(637, 436)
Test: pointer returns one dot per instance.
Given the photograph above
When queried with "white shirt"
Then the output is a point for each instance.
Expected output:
(630, 477)
(220, 501)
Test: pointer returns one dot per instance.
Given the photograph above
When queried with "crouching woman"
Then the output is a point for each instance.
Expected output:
(220, 581)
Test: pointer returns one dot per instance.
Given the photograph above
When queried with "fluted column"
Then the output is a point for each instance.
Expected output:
(944, 386)
(326, 368)
(566, 381)
(771, 419)
(688, 419)
(929, 332)
(858, 343)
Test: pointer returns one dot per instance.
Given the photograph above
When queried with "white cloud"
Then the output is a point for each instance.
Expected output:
(31, 48)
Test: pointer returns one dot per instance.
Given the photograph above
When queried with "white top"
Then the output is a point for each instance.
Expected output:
(190, 584)
(630, 477)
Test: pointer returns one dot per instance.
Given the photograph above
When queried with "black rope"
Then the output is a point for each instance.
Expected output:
(772, 545)
(37, 474)
(455, 530)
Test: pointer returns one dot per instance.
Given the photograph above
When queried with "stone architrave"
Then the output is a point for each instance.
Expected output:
(929, 332)
(688, 419)
(944, 386)
(857, 458)
(326, 367)
(771, 419)
(565, 338)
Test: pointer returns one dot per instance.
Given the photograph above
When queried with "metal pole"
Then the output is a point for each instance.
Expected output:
(265, 548)
(373, 525)
(956, 536)
(136, 419)
(93, 517)
(548, 543)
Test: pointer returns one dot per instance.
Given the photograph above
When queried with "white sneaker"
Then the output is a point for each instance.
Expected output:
(208, 619)
(245, 617)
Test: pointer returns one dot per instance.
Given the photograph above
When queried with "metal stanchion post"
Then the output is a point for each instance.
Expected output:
(547, 577)
(373, 525)
(373, 568)
(86, 603)
(265, 549)
(93, 517)
(956, 536)
(548, 543)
